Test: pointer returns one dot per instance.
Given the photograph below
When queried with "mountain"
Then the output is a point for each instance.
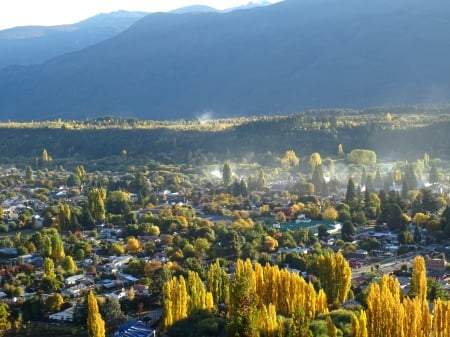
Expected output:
(286, 57)
(35, 44)
(194, 8)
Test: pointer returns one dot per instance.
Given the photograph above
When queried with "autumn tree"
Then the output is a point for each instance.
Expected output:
(95, 322)
(243, 311)
(335, 276)
(218, 283)
(290, 159)
(419, 278)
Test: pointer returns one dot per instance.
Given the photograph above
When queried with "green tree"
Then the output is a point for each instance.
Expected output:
(118, 202)
(350, 195)
(362, 157)
(96, 203)
(243, 311)
(112, 313)
(226, 174)
(68, 264)
(28, 173)
(53, 303)
(95, 322)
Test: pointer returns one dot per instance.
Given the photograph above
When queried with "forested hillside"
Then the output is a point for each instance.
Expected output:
(394, 134)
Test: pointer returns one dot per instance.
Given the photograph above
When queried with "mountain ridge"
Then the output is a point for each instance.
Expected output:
(285, 57)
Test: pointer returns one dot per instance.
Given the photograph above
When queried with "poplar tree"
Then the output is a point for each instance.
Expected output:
(335, 276)
(95, 323)
(218, 283)
(441, 318)
(243, 312)
(226, 174)
(419, 278)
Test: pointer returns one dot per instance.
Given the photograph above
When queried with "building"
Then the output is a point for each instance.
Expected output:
(134, 329)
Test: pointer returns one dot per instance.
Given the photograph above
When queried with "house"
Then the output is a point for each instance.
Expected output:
(435, 265)
(63, 316)
(134, 329)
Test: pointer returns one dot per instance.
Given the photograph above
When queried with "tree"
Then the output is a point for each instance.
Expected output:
(73, 180)
(133, 245)
(68, 264)
(96, 203)
(290, 159)
(218, 283)
(4, 317)
(118, 202)
(350, 195)
(29, 173)
(95, 322)
(112, 313)
(226, 174)
(54, 303)
(45, 156)
(335, 276)
(340, 150)
(419, 278)
(362, 157)
(243, 311)
(348, 231)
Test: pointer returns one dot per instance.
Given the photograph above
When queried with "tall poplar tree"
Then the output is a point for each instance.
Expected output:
(419, 278)
(226, 174)
(243, 311)
(95, 322)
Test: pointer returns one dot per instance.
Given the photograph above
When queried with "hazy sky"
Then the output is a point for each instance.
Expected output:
(52, 12)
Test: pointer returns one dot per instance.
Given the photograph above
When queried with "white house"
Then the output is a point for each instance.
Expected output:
(63, 316)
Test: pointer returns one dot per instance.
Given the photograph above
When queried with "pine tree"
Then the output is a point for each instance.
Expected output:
(95, 323)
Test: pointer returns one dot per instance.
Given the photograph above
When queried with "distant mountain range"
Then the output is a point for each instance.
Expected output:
(35, 44)
(286, 57)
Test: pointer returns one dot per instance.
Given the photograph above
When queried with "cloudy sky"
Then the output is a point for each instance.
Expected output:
(52, 12)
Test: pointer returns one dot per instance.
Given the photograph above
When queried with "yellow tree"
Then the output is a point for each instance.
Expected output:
(290, 159)
(218, 283)
(196, 292)
(175, 301)
(340, 150)
(268, 321)
(95, 323)
(385, 314)
(321, 302)
(133, 245)
(362, 331)
(332, 331)
(330, 213)
(419, 278)
(335, 276)
(441, 318)
(420, 219)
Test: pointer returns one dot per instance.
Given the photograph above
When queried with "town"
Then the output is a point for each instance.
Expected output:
(125, 235)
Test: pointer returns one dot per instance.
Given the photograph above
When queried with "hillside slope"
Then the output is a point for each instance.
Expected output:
(290, 56)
